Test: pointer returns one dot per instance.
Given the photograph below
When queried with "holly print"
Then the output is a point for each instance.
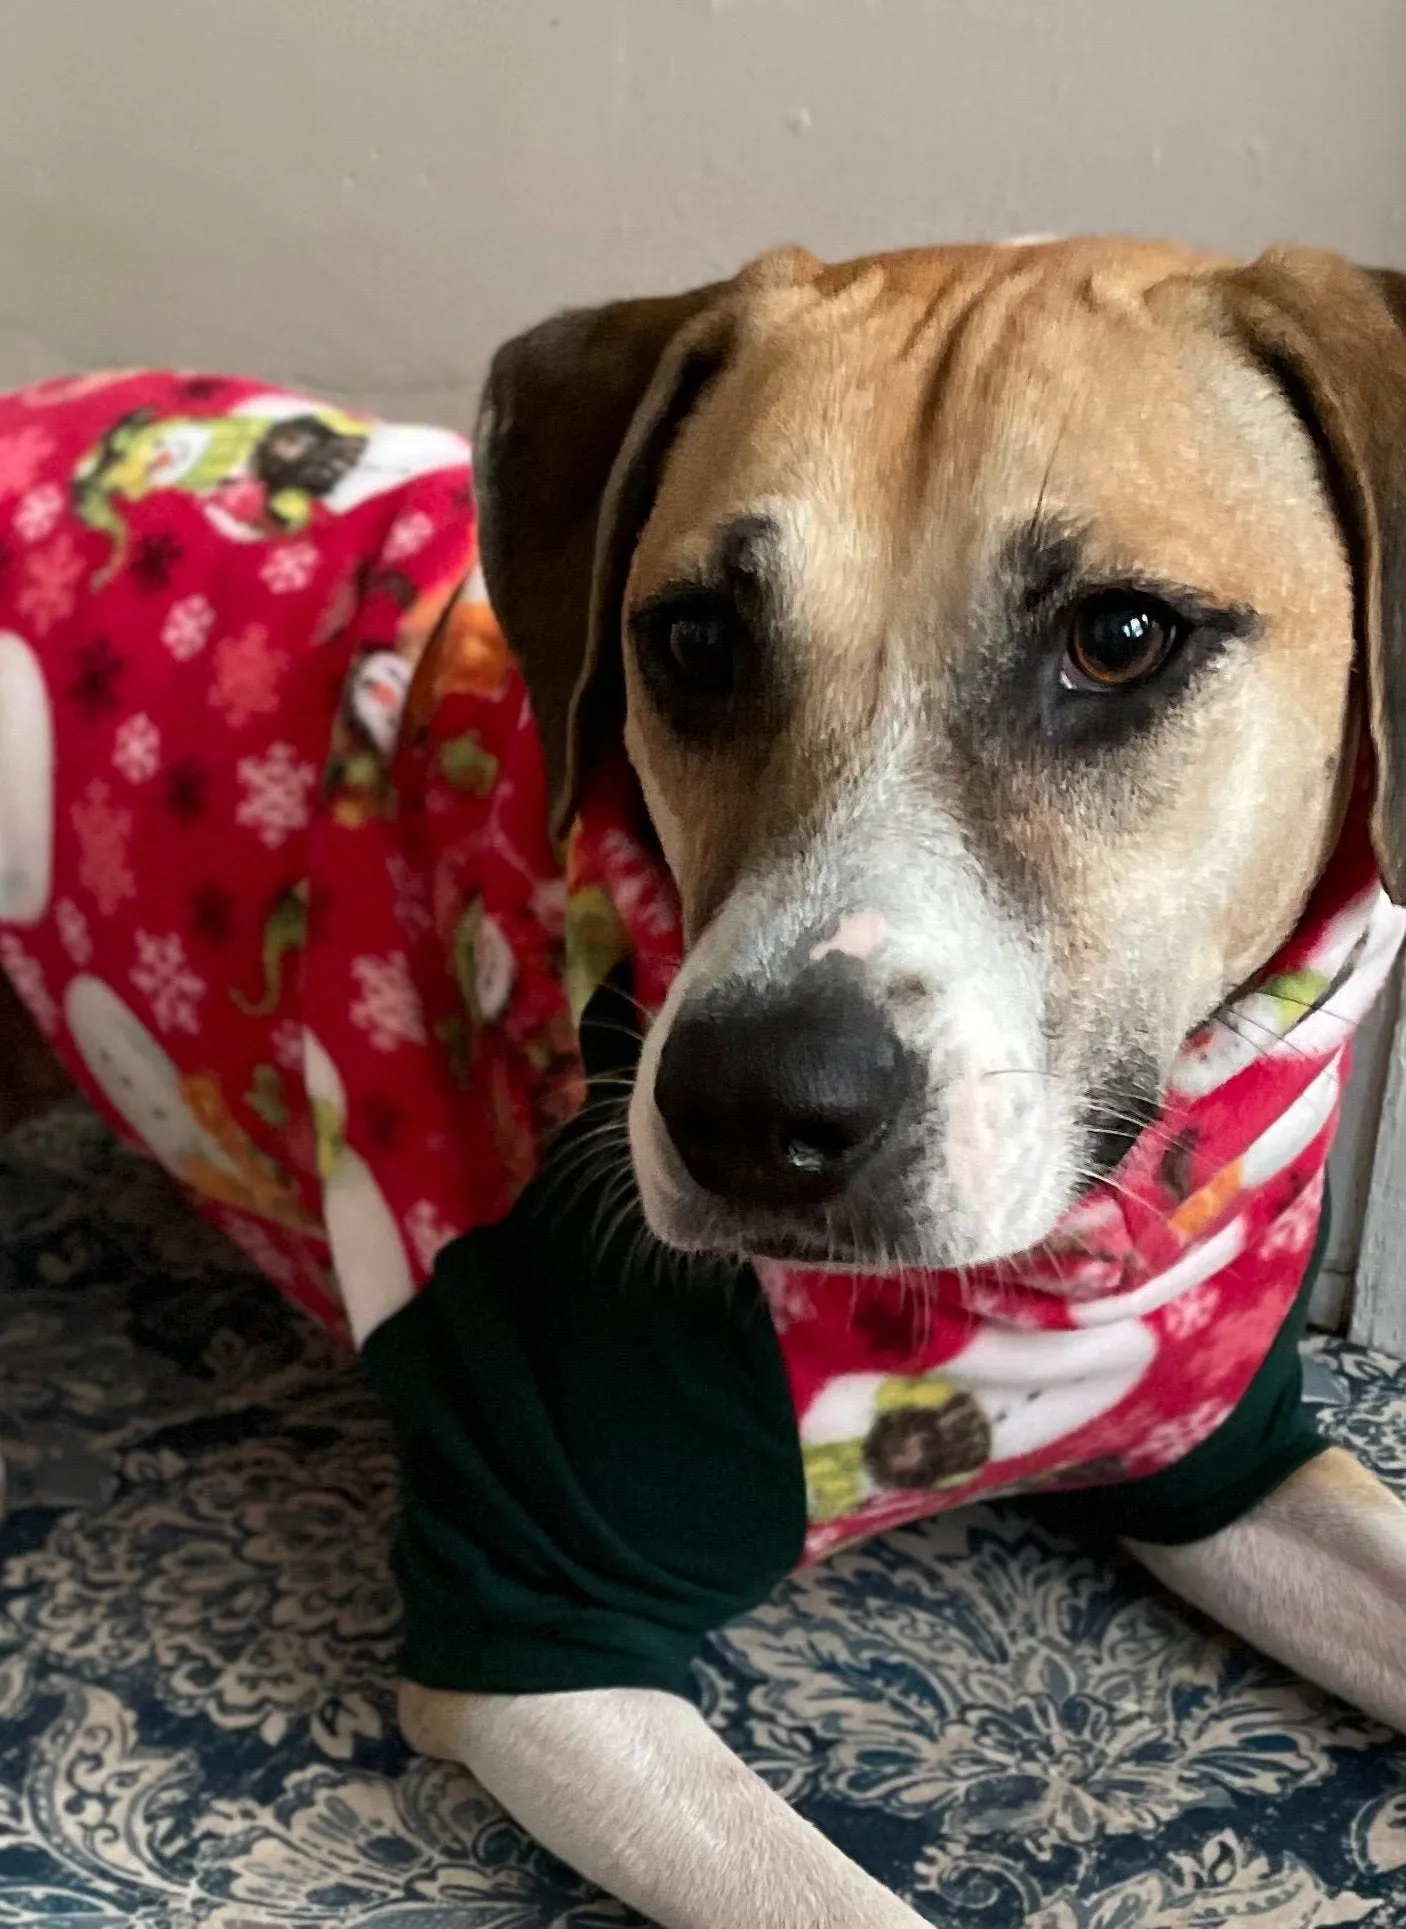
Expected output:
(468, 766)
(596, 941)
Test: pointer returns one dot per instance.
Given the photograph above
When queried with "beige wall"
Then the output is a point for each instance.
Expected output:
(364, 195)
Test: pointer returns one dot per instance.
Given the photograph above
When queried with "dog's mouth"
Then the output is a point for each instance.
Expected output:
(876, 1234)
(761, 1241)
(793, 1246)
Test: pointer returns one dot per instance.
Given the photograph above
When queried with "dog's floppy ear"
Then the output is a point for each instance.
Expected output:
(577, 415)
(1334, 337)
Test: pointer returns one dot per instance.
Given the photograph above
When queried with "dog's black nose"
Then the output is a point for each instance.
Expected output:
(777, 1099)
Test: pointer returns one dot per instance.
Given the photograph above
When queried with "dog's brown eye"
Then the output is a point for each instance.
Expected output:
(1117, 639)
(697, 651)
(701, 652)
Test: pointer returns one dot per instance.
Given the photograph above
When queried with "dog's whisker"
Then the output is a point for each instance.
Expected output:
(594, 1158)
(616, 1028)
(621, 1191)
(609, 1131)
(1278, 1041)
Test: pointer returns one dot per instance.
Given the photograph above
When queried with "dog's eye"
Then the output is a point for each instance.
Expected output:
(693, 647)
(1118, 639)
(700, 652)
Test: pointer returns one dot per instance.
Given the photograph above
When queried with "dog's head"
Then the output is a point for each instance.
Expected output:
(988, 629)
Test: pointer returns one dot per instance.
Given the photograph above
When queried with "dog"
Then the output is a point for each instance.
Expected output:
(1005, 649)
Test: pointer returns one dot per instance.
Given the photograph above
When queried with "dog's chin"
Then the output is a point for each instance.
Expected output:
(687, 1220)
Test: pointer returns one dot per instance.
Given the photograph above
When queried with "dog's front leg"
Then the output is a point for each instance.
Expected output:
(1315, 1576)
(632, 1788)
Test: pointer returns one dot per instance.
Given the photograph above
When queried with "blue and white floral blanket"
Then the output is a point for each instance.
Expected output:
(197, 1633)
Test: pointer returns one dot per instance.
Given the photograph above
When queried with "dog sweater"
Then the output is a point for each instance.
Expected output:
(277, 880)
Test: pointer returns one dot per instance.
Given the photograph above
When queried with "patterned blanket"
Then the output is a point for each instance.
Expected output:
(197, 1630)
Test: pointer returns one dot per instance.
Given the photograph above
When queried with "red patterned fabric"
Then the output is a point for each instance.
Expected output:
(277, 880)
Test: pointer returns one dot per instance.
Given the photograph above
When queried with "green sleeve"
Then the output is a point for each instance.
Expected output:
(598, 1453)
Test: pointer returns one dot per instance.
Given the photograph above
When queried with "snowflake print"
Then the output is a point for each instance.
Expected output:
(187, 628)
(427, 1231)
(39, 513)
(247, 676)
(27, 978)
(1193, 1312)
(22, 456)
(74, 935)
(1170, 1440)
(1293, 1232)
(276, 786)
(388, 1009)
(137, 750)
(50, 578)
(163, 972)
(412, 911)
(154, 560)
(212, 914)
(104, 833)
(286, 1041)
(187, 790)
(100, 669)
(408, 535)
(993, 1300)
(290, 569)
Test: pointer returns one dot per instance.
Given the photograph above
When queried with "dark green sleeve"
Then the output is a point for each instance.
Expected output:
(597, 1449)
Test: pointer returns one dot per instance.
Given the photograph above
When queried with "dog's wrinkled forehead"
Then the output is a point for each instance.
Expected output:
(897, 470)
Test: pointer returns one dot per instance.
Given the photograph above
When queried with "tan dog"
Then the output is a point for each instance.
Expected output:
(852, 487)
(840, 483)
